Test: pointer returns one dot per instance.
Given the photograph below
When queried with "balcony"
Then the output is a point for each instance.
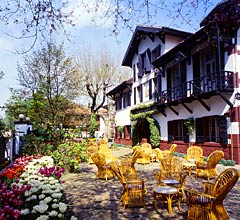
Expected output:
(200, 88)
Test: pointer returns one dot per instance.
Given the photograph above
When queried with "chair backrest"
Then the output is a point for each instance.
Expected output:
(146, 146)
(173, 148)
(92, 149)
(135, 156)
(158, 152)
(194, 152)
(224, 183)
(214, 158)
(103, 146)
(99, 159)
(117, 170)
(171, 166)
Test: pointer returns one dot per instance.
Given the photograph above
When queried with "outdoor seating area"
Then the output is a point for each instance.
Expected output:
(162, 188)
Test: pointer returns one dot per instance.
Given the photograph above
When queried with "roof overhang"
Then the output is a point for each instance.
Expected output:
(141, 32)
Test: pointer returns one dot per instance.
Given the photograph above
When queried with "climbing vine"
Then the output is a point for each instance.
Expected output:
(155, 136)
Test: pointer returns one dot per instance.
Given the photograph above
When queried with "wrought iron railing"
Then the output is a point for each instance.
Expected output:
(221, 81)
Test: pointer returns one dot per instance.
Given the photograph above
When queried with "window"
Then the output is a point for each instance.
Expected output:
(144, 63)
(118, 102)
(156, 52)
(126, 99)
(212, 129)
(127, 131)
(140, 93)
(210, 64)
(177, 131)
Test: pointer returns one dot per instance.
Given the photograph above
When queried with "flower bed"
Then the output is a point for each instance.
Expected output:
(31, 189)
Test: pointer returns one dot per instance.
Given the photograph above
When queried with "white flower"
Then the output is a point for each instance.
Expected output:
(25, 212)
(42, 196)
(33, 197)
(55, 200)
(47, 199)
(57, 195)
(60, 215)
(41, 208)
(43, 217)
(45, 187)
(53, 213)
(55, 205)
(73, 218)
(62, 207)
(34, 189)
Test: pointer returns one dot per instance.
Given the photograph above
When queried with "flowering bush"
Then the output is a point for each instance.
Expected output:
(36, 194)
(52, 171)
(11, 174)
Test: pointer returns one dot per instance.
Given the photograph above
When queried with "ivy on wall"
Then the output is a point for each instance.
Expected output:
(155, 136)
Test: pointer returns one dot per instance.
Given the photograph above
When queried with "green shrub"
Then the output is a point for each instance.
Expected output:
(70, 154)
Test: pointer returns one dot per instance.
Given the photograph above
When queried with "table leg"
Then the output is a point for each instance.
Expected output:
(169, 201)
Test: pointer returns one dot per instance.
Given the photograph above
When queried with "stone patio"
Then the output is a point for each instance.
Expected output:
(90, 198)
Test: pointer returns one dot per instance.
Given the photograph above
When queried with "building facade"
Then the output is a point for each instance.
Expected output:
(185, 86)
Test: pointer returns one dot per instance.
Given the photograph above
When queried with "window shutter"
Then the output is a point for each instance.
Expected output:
(129, 98)
(170, 131)
(134, 72)
(141, 92)
(185, 133)
(148, 64)
(223, 130)
(199, 131)
(150, 89)
(135, 96)
(140, 66)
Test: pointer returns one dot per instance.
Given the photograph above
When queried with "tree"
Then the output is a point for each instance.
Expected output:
(96, 75)
(35, 18)
(126, 14)
(46, 81)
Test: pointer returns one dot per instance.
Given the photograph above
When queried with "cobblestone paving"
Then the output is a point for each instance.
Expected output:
(90, 198)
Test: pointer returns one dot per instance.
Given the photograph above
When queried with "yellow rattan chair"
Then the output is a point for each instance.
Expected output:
(207, 169)
(194, 153)
(134, 191)
(169, 153)
(172, 173)
(144, 157)
(104, 171)
(208, 205)
(128, 164)
(90, 150)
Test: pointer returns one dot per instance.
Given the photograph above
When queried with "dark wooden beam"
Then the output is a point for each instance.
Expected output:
(204, 104)
(173, 110)
(190, 110)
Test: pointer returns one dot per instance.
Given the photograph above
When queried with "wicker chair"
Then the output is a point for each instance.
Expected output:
(144, 157)
(91, 150)
(128, 164)
(208, 205)
(208, 169)
(104, 170)
(134, 191)
(168, 153)
(194, 153)
(172, 173)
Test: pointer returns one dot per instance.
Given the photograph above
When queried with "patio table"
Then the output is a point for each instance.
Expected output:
(165, 192)
(189, 166)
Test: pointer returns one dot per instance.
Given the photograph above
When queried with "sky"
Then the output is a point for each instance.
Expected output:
(82, 34)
